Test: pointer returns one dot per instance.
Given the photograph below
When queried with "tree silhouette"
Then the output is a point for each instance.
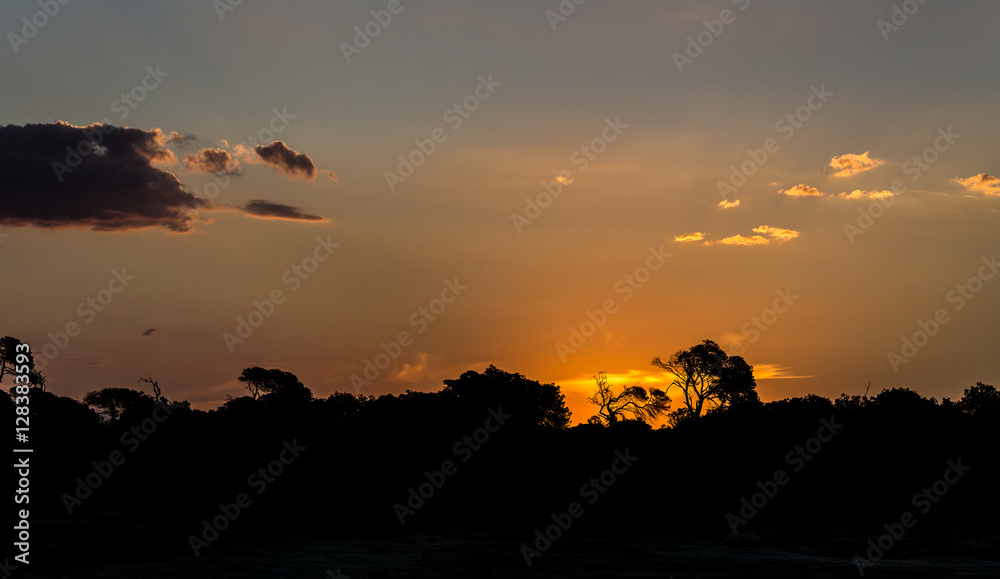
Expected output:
(8, 355)
(395, 441)
(9, 361)
(256, 380)
(697, 371)
(38, 379)
(156, 389)
(113, 402)
(737, 387)
(708, 376)
(902, 401)
(528, 401)
(980, 400)
(853, 403)
(632, 402)
(274, 385)
(158, 398)
(679, 416)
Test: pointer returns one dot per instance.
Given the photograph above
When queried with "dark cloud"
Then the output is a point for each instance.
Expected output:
(180, 140)
(149, 332)
(285, 160)
(270, 210)
(101, 177)
(213, 161)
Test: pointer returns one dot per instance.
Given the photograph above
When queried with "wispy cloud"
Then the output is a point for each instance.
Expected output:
(777, 233)
(264, 209)
(178, 140)
(696, 236)
(982, 183)
(765, 235)
(742, 240)
(851, 164)
(212, 161)
(860, 194)
(774, 372)
(801, 190)
(412, 372)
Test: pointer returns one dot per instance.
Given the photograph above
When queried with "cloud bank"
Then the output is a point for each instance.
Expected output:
(108, 178)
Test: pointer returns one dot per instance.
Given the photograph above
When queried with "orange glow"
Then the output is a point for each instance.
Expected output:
(697, 236)
(801, 190)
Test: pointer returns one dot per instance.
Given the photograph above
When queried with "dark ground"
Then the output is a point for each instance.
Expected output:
(87, 550)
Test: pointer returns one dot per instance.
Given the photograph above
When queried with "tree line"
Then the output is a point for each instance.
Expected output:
(362, 454)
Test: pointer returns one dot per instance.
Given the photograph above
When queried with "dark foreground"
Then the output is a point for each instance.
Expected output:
(303, 555)
(296, 487)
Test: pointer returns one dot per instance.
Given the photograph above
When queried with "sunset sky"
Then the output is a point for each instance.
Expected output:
(266, 155)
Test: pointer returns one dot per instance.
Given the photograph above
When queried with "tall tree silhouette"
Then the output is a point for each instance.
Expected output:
(708, 376)
(156, 389)
(697, 372)
(9, 356)
(632, 402)
(737, 386)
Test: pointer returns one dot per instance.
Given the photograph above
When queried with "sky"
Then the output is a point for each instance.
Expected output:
(380, 196)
